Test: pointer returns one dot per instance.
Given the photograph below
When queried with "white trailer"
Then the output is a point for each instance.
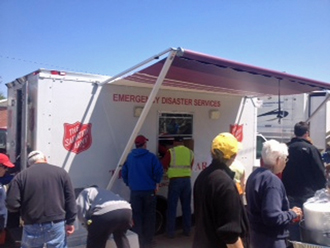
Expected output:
(86, 124)
(276, 119)
(84, 128)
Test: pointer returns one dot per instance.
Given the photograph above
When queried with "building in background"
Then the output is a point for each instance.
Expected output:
(3, 125)
(3, 113)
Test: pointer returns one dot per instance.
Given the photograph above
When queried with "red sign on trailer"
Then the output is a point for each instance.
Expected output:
(77, 137)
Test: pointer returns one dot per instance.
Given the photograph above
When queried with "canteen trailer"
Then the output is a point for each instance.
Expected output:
(87, 123)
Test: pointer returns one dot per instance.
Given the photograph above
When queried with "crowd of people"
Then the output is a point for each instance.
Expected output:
(44, 196)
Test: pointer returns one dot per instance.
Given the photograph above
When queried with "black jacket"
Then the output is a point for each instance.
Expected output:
(219, 212)
(42, 193)
(304, 173)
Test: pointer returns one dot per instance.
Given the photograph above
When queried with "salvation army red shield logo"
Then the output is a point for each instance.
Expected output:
(237, 131)
(77, 137)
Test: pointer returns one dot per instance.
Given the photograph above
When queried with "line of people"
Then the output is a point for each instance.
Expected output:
(45, 197)
(221, 218)
(274, 206)
(143, 171)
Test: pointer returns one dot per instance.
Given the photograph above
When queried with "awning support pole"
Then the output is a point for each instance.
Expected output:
(240, 110)
(319, 107)
(143, 116)
(112, 79)
(279, 115)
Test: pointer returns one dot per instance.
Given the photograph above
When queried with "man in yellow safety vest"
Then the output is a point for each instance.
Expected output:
(178, 162)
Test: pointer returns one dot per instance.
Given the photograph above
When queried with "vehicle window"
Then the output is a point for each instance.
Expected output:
(3, 138)
(260, 141)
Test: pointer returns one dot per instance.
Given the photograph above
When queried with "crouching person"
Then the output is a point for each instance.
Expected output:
(104, 213)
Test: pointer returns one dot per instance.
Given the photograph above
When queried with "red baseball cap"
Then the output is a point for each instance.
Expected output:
(140, 140)
(5, 161)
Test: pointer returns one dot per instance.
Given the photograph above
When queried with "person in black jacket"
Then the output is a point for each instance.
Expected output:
(304, 173)
(220, 217)
(44, 195)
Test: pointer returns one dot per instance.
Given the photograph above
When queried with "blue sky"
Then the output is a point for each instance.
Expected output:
(108, 36)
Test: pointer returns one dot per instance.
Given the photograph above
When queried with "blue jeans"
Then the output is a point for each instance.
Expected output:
(179, 188)
(143, 205)
(52, 234)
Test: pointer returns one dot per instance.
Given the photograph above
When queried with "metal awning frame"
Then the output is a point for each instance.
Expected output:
(326, 99)
(161, 76)
(172, 53)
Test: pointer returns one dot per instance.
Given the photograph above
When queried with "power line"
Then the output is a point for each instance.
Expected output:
(45, 64)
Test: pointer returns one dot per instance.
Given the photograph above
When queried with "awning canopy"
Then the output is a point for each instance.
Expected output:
(191, 71)
(200, 72)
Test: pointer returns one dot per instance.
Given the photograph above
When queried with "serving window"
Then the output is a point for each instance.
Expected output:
(171, 125)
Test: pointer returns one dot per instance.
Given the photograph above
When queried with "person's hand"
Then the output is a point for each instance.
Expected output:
(157, 188)
(237, 244)
(69, 229)
(299, 214)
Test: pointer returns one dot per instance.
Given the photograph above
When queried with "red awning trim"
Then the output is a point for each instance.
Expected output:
(200, 72)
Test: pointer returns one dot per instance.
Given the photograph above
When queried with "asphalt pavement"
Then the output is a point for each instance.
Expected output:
(179, 241)
(160, 241)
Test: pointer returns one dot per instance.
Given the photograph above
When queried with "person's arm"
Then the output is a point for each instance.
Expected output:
(124, 173)
(83, 206)
(166, 160)
(13, 199)
(242, 181)
(318, 170)
(271, 209)
(158, 170)
(192, 159)
(228, 210)
(2, 207)
(70, 201)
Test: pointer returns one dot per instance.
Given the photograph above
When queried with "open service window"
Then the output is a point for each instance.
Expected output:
(171, 125)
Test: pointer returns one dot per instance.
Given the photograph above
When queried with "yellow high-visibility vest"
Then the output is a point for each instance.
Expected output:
(180, 165)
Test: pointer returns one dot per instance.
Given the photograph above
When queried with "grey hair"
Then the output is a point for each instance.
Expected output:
(271, 150)
(35, 156)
